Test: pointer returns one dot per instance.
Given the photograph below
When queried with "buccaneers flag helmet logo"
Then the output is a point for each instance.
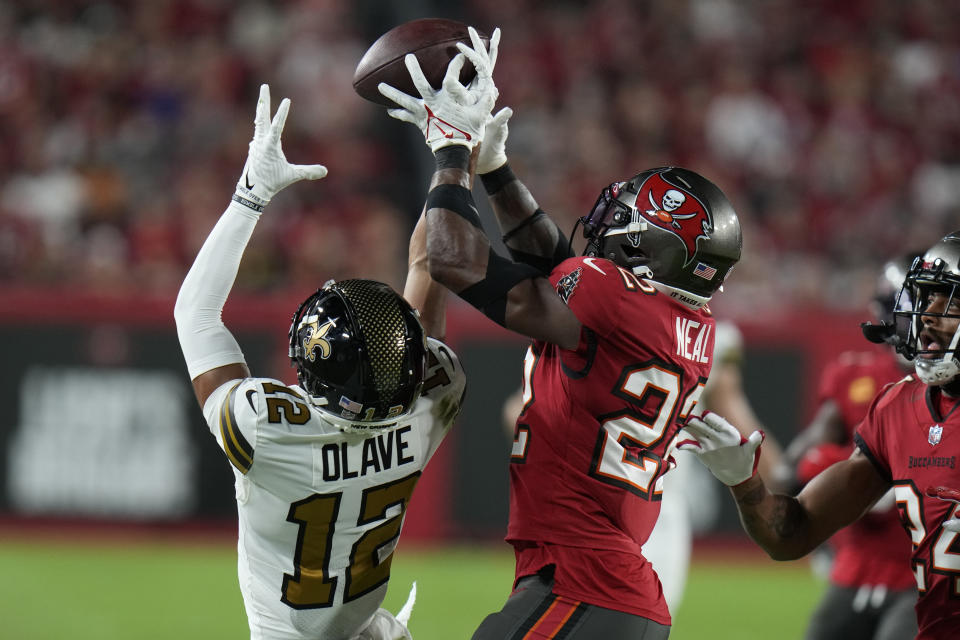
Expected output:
(674, 208)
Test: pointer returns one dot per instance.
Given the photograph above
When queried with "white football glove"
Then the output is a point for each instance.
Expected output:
(267, 171)
(454, 114)
(721, 448)
(949, 495)
(493, 149)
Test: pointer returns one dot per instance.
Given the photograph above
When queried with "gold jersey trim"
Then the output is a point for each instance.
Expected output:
(236, 447)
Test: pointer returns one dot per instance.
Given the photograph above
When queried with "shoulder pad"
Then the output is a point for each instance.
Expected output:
(443, 369)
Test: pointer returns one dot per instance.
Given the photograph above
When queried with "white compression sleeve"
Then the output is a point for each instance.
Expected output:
(205, 340)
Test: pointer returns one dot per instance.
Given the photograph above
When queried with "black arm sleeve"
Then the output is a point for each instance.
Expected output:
(544, 264)
(490, 294)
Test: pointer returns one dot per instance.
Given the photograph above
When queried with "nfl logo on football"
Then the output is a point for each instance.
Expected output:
(935, 432)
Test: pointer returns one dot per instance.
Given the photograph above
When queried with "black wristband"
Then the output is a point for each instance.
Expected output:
(454, 198)
(456, 156)
(497, 179)
(247, 203)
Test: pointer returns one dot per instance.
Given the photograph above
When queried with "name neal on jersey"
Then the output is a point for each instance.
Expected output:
(379, 453)
(689, 347)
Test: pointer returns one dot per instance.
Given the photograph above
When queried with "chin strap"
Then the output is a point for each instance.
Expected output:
(643, 271)
(636, 228)
(572, 234)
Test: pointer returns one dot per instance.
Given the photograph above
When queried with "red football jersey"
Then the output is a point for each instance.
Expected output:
(874, 550)
(916, 447)
(597, 432)
(853, 380)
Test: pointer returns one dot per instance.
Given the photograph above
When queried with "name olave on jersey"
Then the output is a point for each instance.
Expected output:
(342, 460)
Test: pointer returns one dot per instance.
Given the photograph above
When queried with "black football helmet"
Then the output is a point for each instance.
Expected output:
(938, 271)
(360, 352)
(670, 225)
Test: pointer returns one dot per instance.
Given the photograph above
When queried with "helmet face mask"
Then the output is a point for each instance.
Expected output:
(936, 274)
(889, 294)
(360, 353)
(607, 212)
(670, 225)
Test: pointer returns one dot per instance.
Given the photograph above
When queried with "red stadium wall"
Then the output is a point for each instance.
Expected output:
(69, 355)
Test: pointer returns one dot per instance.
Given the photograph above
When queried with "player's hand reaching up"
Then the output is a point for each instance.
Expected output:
(493, 149)
(720, 447)
(950, 495)
(454, 114)
(267, 171)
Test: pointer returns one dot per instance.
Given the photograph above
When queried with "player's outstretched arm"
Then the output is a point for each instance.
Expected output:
(512, 294)
(786, 527)
(530, 235)
(211, 352)
(459, 255)
(425, 294)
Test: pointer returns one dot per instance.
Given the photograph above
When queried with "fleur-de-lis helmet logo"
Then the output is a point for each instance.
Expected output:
(316, 337)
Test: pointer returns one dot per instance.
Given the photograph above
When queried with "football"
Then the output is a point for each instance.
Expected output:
(432, 40)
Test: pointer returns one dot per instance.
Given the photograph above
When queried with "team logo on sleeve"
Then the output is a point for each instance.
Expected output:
(568, 283)
(674, 208)
(317, 338)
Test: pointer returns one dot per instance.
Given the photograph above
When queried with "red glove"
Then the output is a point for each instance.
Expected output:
(819, 458)
(950, 495)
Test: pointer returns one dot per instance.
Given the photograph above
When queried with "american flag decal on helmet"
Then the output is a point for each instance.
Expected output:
(350, 405)
(704, 271)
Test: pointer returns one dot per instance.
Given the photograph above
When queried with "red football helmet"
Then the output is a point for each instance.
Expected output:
(670, 225)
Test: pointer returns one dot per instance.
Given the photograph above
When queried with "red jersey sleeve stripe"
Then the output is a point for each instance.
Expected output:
(553, 623)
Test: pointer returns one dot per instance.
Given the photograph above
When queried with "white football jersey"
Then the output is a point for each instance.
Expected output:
(320, 510)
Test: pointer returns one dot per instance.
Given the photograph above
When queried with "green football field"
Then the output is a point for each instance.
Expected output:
(154, 590)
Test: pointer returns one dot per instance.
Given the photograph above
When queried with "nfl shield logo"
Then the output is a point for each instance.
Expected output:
(935, 432)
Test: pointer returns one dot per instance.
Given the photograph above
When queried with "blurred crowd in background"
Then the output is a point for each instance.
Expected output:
(834, 127)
